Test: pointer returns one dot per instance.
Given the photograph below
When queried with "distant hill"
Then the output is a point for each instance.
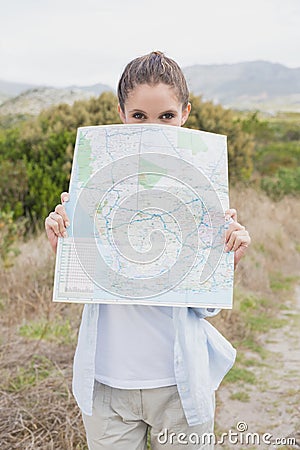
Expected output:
(11, 89)
(249, 85)
(246, 86)
(34, 100)
(96, 89)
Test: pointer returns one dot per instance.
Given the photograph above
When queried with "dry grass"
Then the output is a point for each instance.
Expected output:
(274, 229)
(273, 256)
(37, 409)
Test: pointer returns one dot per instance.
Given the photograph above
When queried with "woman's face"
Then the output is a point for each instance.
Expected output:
(156, 104)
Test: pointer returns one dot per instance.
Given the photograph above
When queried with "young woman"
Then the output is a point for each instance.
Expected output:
(138, 367)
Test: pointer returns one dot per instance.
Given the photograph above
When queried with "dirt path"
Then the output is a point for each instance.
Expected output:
(271, 404)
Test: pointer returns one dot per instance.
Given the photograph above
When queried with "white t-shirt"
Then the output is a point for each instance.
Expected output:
(135, 346)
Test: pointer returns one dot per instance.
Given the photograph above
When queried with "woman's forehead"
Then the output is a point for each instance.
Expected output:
(152, 95)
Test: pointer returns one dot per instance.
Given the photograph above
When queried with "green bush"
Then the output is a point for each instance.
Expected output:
(285, 181)
(36, 154)
(214, 118)
(275, 155)
(10, 232)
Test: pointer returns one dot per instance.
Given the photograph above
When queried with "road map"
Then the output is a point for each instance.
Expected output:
(146, 208)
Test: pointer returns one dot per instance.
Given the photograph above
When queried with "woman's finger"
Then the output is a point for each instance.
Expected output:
(234, 226)
(231, 214)
(64, 197)
(56, 223)
(60, 209)
(52, 226)
(58, 218)
(237, 239)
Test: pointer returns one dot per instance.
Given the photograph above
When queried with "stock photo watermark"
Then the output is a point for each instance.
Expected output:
(238, 436)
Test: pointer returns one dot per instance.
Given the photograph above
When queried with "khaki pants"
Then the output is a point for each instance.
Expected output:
(121, 418)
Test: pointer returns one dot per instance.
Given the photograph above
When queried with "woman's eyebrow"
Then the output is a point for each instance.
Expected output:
(173, 111)
(137, 110)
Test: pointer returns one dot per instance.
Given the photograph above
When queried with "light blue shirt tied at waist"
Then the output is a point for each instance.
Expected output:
(202, 357)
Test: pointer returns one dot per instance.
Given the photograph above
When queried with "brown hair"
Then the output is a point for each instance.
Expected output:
(153, 69)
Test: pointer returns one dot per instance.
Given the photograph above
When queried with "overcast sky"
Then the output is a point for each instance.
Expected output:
(63, 42)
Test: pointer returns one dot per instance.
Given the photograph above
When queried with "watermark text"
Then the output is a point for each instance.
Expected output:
(238, 436)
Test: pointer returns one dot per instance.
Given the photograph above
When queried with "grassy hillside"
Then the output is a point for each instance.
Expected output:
(247, 86)
(36, 154)
(38, 337)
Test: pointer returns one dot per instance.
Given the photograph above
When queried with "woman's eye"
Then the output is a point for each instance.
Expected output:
(138, 116)
(168, 116)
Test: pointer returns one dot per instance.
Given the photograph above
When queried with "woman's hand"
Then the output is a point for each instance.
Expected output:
(57, 222)
(237, 238)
